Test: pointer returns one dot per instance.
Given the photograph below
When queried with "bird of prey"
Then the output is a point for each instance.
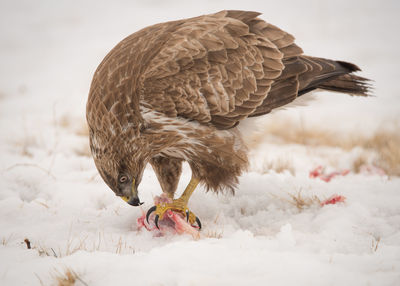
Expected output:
(177, 91)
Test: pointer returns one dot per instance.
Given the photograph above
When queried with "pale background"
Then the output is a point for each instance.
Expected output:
(273, 232)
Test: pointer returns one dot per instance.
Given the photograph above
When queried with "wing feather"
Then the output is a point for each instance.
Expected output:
(216, 68)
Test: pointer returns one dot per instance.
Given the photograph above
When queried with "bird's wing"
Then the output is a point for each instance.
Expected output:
(219, 68)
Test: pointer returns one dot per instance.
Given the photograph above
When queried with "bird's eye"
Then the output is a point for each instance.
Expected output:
(123, 179)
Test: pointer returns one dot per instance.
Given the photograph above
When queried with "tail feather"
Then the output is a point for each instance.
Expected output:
(348, 83)
(304, 74)
(340, 79)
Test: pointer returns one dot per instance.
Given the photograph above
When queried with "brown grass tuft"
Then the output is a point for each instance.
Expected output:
(359, 162)
(65, 121)
(77, 126)
(388, 149)
(302, 202)
(82, 129)
(214, 234)
(279, 165)
(385, 143)
(67, 278)
(25, 143)
(296, 134)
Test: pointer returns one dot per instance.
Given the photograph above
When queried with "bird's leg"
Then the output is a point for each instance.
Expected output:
(168, 171)
(178, 205)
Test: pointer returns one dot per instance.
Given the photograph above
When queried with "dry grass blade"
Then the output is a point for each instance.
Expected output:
(375, 244)
(301, 202)
(279, 165)
(30, 165)
(214, 234)
(67, 278)
(25, 144)
(4, 241)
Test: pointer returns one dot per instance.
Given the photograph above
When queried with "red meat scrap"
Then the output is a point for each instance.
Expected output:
(319, 172)
(334, 199)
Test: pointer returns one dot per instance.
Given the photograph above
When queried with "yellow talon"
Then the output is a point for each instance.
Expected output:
(178, 205)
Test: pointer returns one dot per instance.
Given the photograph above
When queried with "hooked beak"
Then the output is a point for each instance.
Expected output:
(133, 199)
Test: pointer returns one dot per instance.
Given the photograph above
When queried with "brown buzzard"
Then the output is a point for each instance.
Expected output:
(175, 92)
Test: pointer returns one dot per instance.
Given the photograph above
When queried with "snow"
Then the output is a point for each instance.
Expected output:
(51, 193)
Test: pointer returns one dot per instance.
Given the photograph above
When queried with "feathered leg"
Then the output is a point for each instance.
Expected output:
(168, 171)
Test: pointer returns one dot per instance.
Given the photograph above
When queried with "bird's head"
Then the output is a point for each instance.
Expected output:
(121, 165)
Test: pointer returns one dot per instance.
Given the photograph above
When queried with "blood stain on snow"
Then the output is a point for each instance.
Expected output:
(319, 172)
(334, 200)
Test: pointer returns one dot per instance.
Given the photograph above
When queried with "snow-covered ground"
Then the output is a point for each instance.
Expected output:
(273, 231)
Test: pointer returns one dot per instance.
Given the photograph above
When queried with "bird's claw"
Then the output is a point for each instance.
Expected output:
(156, 221)
(152, 209)
(162, 208)
(197, 220)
